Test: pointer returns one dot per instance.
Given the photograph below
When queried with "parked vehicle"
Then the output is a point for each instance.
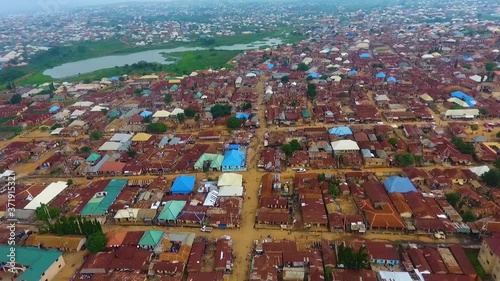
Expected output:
(206, 229)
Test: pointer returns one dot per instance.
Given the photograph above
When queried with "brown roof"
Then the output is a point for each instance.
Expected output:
(71, 242)
(434, 260)
(280, 246)
(382, 251)
(399, 202)
(204, 276)
(418, 260)
(115, 239)
(111, 166)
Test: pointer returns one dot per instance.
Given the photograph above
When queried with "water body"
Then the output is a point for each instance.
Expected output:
(72, 69)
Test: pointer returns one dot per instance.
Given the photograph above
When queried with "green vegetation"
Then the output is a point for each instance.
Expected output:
(468, 216)
(15, 99)
(156, 128)
(333, 188)
(16, 130)
(474, 127)
(289, 148)
(311, 91)
(406, 159)
(71, 226)
(472, 254)
(492, 177)
(219, 110)
(168, 98)
(96, 135)
(97, 242)
(7, 119)
(131, 152)
(246, 106)
(43, 213)
(453, 198)
(351, 259)
(85, 149)
(497, 163)
(188, 62)
(181, 117)
(233, 122)
(190, 113)
(393, 141)
(302, 67)
(69, 182)
(463, 147)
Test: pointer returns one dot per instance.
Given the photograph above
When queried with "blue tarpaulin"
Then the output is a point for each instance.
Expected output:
(146, 113)
(270, 66)
(314, 75)
(241, 115)
(352, 72)
(380, 75)
(365, 56)
(392, 80)
(463, 96)
(54, 109)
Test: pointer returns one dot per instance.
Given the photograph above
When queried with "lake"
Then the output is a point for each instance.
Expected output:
(72, 69)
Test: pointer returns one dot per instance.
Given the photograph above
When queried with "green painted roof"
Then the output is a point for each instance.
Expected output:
(114, 113)
(36, 259)
(151, 238)
(99, 206)
(306, 114)
(171, 210)
(174, 88)
(199, 95)
(93, 157)
(57, 98)
(216, 160)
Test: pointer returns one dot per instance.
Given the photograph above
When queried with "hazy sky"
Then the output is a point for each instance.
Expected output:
(15, 6)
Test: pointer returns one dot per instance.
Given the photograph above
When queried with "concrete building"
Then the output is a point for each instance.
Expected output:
(489, 257)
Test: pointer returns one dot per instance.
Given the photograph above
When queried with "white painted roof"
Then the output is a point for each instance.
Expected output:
(49, 193)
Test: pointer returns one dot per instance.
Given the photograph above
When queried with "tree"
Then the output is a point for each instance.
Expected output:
(104, 111)
(393, 141)
(16, 98)
(406, 159)
(168, 98)
(44, 212)
(131, 152)
(460, 145)
(85, 149)
(287, 149)
(96, 135)
(137, 91)
(156, 128)
(474, 127)
(97, 242)
(219, 110)
(498, 135)
(311, 91)
(69, 182)
(302, 67)
(328, 274)
(351, 259)
(468, 216)
(197, 117)
(333, 188)
(321, 177)
(492, 177)
(497, 163)
(285, 79)
(295, 144)
(233, 122)
(490, 66)
(246, 106)
(483, 112)
(181, 117)
(51, 87)
(190, 113)
(453, 198)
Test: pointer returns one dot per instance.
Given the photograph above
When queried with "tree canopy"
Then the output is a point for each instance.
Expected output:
(44, 212)
(246, 106)
(453, 198)
(97, 242)
(311, 91)
(233, 122)
(463, 147)
(352, 259)
(156, 128)
(492, 177)
(468, 216)
(289, 148)
(406, 159)
(393, 141)
(302, 67)
(219, 110)
(16, 98)
(181, 117)
(96, 135)
(168, 98)
(190, 113)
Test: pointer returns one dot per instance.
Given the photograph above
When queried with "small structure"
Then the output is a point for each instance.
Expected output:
(183, 184)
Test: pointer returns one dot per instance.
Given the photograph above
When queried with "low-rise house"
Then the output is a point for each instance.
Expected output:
(60, 243)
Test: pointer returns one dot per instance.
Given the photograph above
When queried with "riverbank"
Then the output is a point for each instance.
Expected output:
(33, 73)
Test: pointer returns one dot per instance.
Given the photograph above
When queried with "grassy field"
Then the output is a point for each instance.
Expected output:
(188, 62)
(32, 74)
(472, 255)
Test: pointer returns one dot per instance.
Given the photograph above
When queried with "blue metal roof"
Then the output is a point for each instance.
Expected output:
(380, 75)
(183, 184)
(463, 96)
(233, 158)
(365, 56)
(340, 131)
(392, 80)
(352, 72)
(399, 185)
